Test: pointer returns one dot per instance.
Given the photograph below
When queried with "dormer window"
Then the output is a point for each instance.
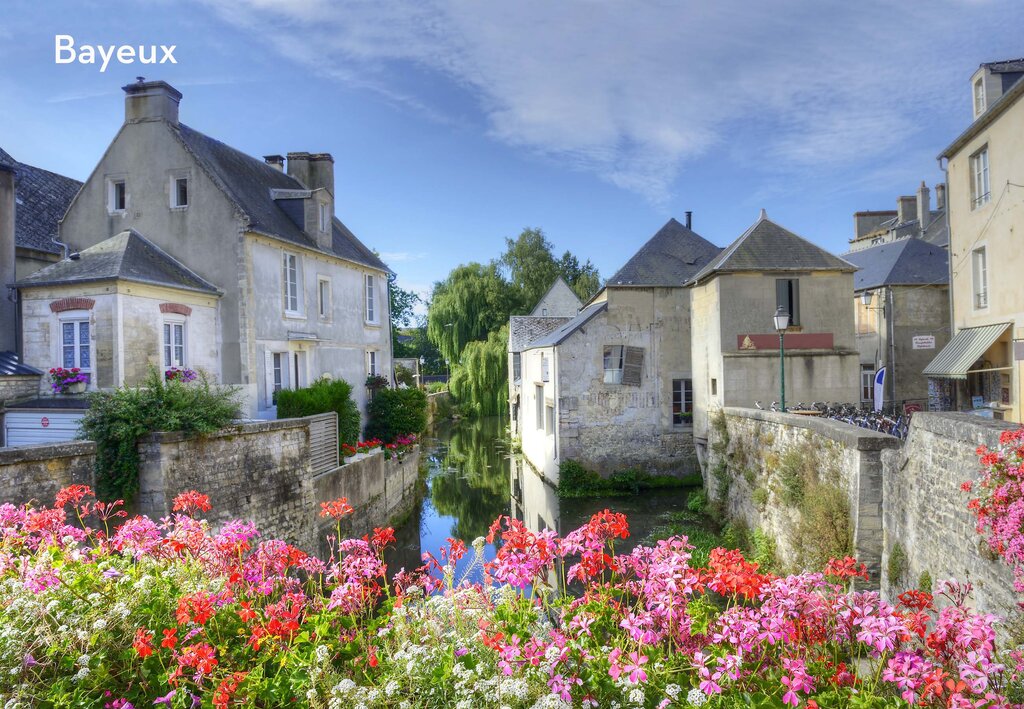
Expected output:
(117, 196)
(979, 96)
(324, 220)
(179, 192)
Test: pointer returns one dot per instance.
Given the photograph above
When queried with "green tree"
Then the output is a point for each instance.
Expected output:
(531, 266)
(583, 279)
(480, 380)
(402, 305)
(473, 301)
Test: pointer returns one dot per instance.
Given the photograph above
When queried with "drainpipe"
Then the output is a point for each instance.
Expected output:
(892, 343)
(949, 261)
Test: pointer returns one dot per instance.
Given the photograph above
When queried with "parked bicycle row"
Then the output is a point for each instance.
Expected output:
(892, 419)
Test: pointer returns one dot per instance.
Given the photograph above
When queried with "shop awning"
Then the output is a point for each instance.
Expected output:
(956, 358)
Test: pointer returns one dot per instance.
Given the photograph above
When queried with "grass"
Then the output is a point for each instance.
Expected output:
(575, 481)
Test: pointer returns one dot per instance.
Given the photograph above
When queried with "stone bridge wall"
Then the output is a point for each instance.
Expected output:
(36, 473)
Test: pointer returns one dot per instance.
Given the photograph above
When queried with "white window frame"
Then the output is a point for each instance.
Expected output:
(371, 312)
(372, 364)
(980, 183)
(324, 222)
(979, 278)
(324, 305)
(291, 290)
(75, 318)
(538, 392)
(112, 183)
(980, 103)
(175, 203)
(867, 382)
(279, 360)
(685, 402)
(613, 375)
(167, 347)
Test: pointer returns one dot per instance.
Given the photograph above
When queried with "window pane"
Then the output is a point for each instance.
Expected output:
(83, 355)
(83, 333)
(167, 355)
(69, 357)
(182, 185)
(68, 333)
(179, 335)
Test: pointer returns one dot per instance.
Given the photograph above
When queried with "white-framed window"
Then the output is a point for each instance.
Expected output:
(323, 297)
(867, 382)
(372, 365)
(979, 269)
(174, 343)
(979, 96)
(682, 401)
(372, 312)
(980, 193)
(539, 393)
(324, 220)
(292, 280)
(179, 192)
(117, 195)
(613, 364)
(517, 366)
(280, 369)
(75, 344)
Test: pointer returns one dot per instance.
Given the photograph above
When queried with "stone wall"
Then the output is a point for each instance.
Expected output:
(752, 449)
(18, 387)
(926, 511)
(37, 472)
(435, 403)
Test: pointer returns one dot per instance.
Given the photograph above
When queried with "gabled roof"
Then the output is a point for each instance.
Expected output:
(127, 256)
(248, 183)
(555, 337)
(524, 329)
(559, 291)
(1002, 104)
(12, 366)
(905, 262)
(42, 197)
(669, 258)
(766, 246)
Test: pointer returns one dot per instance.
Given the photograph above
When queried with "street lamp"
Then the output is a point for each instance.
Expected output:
(781, 319)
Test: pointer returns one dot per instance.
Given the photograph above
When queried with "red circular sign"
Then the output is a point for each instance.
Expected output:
(44, 421)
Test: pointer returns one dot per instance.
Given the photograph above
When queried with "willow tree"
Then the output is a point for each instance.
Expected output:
(474, 301)
(480, 380)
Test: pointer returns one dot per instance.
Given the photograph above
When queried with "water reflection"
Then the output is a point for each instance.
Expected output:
(472, 479)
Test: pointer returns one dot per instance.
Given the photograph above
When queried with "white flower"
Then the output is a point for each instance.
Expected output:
(100, 624)
(636, 697)
(696, 698)
(673, 691)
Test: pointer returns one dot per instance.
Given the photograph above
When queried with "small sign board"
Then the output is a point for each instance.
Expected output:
(923, 342)
(978, 402)
(44, 422)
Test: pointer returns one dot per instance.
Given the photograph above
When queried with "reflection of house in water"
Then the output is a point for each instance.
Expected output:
(533, 501)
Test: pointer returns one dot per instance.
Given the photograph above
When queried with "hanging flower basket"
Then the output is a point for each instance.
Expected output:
(68, 381)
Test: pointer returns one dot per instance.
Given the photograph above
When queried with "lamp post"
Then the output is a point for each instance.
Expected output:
(781, 319)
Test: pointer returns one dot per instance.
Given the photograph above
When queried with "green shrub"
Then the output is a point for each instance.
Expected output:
(436, 387)
(321, 397)
(576, 481)
(924, 582)
(396, 412)
(117, 419)
(697, 501)
(764, 550)
(824, 531)
(897, 563)
(736, 535)
(795, 471)
(760, 497)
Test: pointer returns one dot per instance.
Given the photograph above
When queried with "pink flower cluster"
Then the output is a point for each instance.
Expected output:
(999, 506)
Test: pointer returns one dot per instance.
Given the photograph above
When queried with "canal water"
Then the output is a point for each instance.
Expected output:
(473, 478)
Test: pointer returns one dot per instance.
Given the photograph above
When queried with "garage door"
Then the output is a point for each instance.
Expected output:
(27, 428)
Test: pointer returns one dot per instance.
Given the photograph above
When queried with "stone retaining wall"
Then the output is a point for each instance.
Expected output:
(21, 386)
(846, 456)
(926, 511)
(37, 472)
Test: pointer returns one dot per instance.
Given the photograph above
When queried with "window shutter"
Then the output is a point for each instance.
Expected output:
(632, 368)
(268, 376)
(782, 294)
(794, 316)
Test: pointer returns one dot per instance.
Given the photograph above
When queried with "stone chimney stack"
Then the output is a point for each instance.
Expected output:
(316, 173)
(924, 206)
(275, 161)
(151, 101)
(8, 308)
(940, 196)
(906, 208)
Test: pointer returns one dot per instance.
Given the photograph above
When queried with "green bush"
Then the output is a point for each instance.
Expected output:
(824, 531)
(436, 387)
(321, 397)
(117, 419)
(396, 412)
(924, 582)
(697, 501)
(897, 563)
(764, 551)
(760, 497)
(576, 481)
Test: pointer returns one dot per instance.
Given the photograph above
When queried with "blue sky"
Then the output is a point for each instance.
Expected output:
(455, 124)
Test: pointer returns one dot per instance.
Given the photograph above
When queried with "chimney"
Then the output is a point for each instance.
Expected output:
(8, 308)
(906, 208)
(940, 196)
(316, 173)
(151, 101)
(689, 220)
(924, 206)
(275, 161)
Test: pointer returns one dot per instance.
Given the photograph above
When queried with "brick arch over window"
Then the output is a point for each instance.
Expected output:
(175, 308)
(77, 303)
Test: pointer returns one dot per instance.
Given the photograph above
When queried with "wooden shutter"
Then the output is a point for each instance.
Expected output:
(633, 367)
(782, 294)
(794, 314)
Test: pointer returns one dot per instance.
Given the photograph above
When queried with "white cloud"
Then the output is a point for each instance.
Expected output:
(633, 90)
(390, 257)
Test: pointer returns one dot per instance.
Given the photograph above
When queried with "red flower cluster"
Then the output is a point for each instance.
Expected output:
(191, 502)
(336, 508)
(731, 575)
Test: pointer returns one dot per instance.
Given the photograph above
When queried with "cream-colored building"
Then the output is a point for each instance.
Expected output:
(979, 370)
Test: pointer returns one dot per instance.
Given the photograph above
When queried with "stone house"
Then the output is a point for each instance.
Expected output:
(558, 306)
(187, 252)
(913, 216)
(735, 345)
(32, 201)
(901, 309)
(612, 387)
(979, 370)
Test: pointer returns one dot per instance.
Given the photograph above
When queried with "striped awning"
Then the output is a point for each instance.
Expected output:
(966, 347)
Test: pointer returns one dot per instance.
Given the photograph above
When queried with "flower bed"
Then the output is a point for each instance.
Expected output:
(999, 506)
(172, 614)
(360, 449)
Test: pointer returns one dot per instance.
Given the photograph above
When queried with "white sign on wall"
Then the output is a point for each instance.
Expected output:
(924, 342)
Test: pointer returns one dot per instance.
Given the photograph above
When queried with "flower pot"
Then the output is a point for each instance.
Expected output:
(75, 388)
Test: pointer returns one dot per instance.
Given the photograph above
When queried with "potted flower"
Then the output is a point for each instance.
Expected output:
(68, 381)
(375, 383)
(179, 374)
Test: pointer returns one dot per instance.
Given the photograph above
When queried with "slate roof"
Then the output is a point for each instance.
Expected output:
(42, 197)
(1007, 66)
(11, 366)
(556, 336)
(559, 285)
(524, 329)
(669, 258)
(766, 246)
(248, 182)
(905, 262)
(127, 256)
